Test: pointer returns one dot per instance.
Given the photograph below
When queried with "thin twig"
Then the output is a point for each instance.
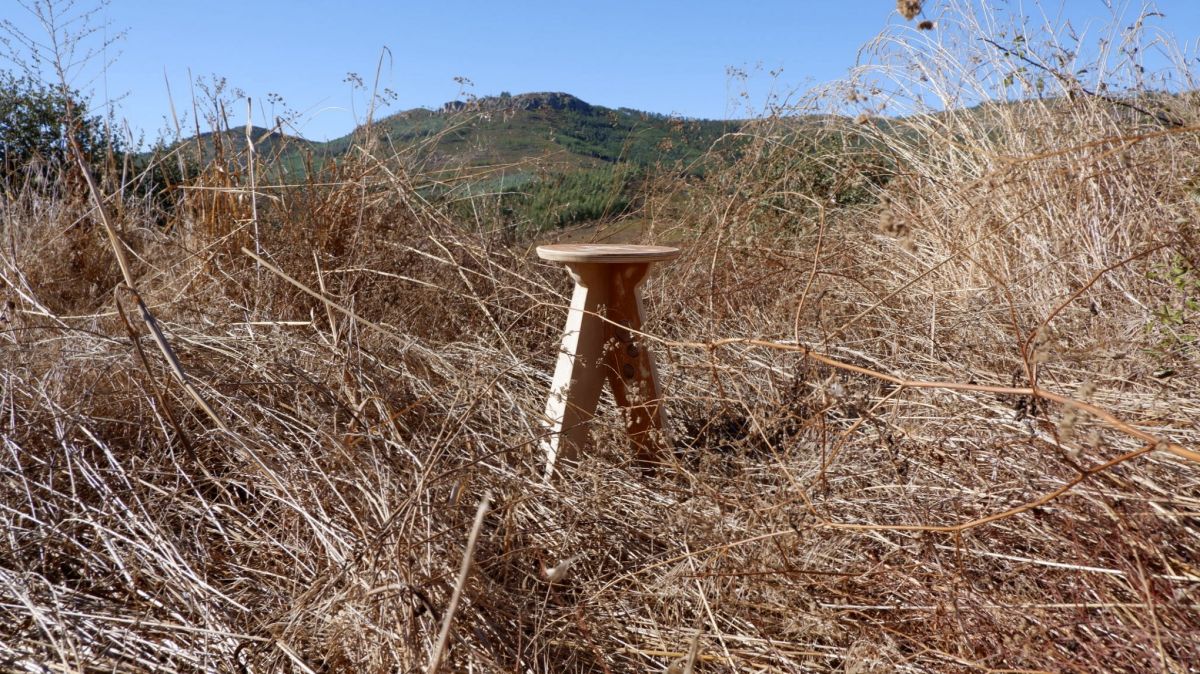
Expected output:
(463, 572)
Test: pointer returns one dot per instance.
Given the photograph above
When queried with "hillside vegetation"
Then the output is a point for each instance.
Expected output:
(510, 129)
(929, 353)
(546, 159)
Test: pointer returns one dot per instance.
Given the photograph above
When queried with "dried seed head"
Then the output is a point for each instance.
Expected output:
(927, 25)
(1042, 343)
(559, 571)
(891, 222)
(908, 8)
(1066, 426)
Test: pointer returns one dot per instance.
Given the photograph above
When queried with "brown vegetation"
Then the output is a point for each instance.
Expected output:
(948, 424)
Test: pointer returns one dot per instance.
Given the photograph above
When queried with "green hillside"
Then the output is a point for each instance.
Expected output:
(545, 159)
(554, 127)
(268, 143)
(540, 160)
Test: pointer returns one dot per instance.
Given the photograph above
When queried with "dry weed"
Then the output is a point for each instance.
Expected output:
(879, 465)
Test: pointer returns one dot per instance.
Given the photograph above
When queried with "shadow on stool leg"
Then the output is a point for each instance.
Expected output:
(631, 370)
(595, 349)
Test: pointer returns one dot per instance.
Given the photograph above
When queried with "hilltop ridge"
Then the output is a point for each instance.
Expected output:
(555, 100)
(554, 127)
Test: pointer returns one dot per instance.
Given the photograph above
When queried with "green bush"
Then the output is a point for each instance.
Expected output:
(34, 127)
(580, 196)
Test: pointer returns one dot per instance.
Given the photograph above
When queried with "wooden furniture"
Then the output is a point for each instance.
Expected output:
(600, 342)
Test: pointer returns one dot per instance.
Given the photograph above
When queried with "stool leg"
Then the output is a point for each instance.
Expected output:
(577, 375)
(631, 370)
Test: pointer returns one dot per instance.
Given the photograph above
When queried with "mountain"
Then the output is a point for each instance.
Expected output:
(555, 129)
(542, 159)
(268, 143)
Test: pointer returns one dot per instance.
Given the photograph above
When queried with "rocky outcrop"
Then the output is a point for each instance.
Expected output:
(551, 100)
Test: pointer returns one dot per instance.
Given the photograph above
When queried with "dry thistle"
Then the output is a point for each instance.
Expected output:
(891, 223)
(909, 9)
(894, 224)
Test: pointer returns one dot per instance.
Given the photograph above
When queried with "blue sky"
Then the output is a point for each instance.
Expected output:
(662, 56)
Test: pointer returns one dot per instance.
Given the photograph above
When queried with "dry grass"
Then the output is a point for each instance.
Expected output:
(876, 469)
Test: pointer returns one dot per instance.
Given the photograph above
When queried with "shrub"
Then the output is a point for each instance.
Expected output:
(36, 125)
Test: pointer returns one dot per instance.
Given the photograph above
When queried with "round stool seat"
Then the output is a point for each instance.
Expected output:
(605, 253)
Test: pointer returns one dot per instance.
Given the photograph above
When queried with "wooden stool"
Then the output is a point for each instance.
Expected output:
(598, 344)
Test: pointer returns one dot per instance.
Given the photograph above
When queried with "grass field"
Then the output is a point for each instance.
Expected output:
(931, 372)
